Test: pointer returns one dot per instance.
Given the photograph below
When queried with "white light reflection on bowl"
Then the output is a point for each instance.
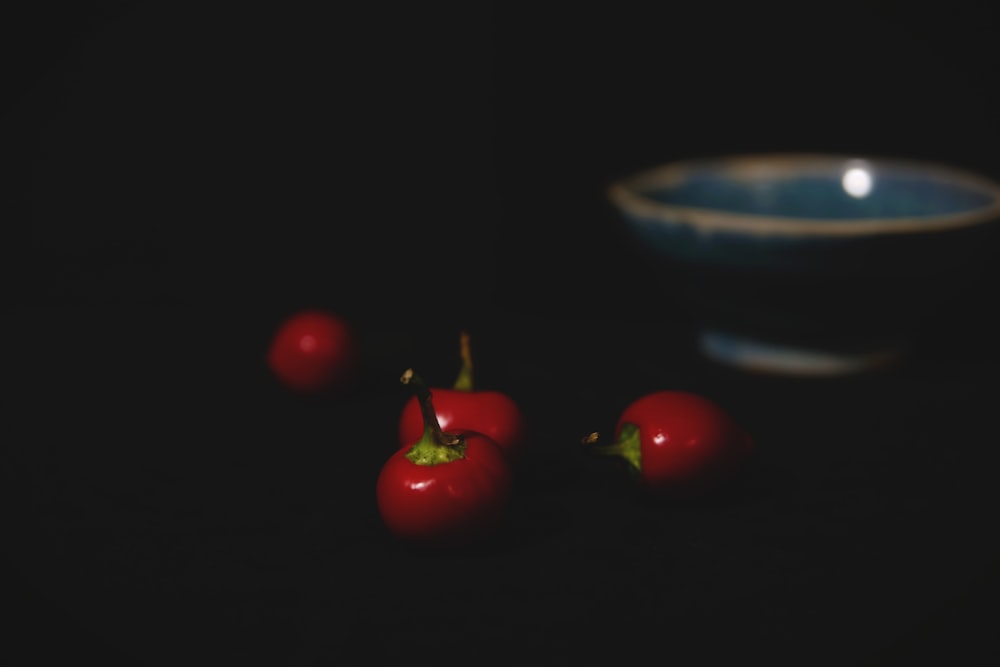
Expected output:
(857, 180)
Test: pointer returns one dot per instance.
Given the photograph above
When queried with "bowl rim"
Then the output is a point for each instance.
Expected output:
(627, 195)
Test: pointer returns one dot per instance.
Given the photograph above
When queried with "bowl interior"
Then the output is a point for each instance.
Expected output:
(844, 190)
(808, 213)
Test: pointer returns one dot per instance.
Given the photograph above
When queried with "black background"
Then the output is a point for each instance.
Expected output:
(184, 176)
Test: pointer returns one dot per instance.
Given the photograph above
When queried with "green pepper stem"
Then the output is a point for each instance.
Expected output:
(626, 446)
(465, 379)
(432, 428)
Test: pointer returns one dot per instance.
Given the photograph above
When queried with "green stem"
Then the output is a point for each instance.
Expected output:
(627, 446)
(435, 446)
(464, 381)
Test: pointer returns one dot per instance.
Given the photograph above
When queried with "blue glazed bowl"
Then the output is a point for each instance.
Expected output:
(810, 264)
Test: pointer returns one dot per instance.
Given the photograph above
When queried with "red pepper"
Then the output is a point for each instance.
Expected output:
(314, 351)
(678, 443)
(445, 489)
(492, 413)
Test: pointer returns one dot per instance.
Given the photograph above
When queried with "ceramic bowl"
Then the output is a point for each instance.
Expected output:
(809, 264)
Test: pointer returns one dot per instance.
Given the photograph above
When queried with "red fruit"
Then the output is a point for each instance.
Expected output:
(444, 489)
(314, 351)
(462, 407)
(491, 413)
(678, 443)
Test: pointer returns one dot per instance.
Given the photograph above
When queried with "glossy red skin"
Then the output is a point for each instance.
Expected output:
(446, 505)
(689, 445)
(314, 351)
(491, 413)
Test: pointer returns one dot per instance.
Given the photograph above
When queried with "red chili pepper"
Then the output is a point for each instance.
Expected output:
(314, 351)
(463, 407)
(677, 443)
(446, 489)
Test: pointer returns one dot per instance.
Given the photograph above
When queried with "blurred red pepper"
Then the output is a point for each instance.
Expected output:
(314, 351)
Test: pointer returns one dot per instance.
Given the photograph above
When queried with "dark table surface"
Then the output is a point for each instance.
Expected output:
(169, 497)
(186, 184)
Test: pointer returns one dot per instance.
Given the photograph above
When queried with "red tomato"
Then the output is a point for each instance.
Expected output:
(491, 413)
(464, 407)
(314, 351)
(679, 443)
(453, 503)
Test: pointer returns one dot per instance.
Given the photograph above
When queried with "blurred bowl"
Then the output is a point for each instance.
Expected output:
(810, 264)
